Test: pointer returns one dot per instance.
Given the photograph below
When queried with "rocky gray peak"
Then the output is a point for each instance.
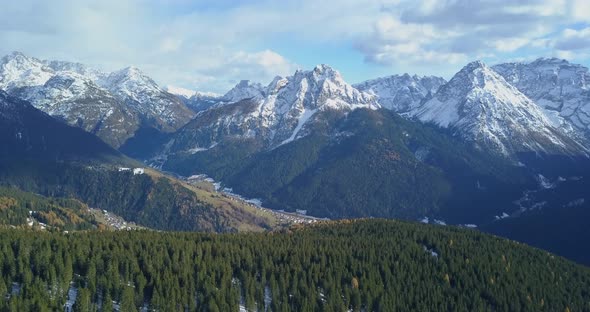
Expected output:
(79, 68)
(18, 70)
(278, 114)
(325, 72)
(245, 89)
(130, 79)
(18, 58)
(474, 75)
(480, 105)
(402, 93)
(560, 88)
(112, 106)
(324, 87)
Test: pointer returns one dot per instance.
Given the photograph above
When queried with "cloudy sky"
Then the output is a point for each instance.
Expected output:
(209, 45)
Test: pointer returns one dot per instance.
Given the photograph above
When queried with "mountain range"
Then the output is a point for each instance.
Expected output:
(43, 155)
(111, 105)
(486, 148)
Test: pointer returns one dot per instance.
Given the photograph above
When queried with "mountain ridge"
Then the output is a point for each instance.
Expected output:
(482, 107)
(113, 106)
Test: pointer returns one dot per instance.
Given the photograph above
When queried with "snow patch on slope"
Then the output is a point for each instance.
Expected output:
(303, 118)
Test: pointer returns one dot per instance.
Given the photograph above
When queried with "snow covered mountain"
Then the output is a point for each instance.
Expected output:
(402, 93)
(163, 110)
(181, 92)
(481, 106)
(81, 102)
(560, 88)
(245, 89)
(273, 115)
(113, 106)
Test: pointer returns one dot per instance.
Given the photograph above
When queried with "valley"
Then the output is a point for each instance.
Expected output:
(307, 193)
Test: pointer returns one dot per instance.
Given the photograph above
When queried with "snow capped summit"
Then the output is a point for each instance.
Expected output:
(143, 94)
(276, 114)
(478, 104)
(322, 88)
(130, 81)
(185, 93)
(245, 89)
(325, 72)
(81, 102)
(402, 93)
(18, 70)
(112, 106)
(559, 88)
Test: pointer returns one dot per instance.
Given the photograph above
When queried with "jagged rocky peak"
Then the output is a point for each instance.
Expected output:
(79, 68)
(475, 74)
(18, 70)
(402, 93)
(323, 87)
(19, 59)
(111, 105)
(189, 93)
(279, 113)
(560, 88)
(480, 105)
(245, 89)
(130, 77)
(325, 72)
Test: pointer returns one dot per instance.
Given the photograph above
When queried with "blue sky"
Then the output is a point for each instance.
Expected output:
(209, 45)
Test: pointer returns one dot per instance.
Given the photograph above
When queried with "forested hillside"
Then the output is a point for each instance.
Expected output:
(366, 164)
(368, 265)
(18, 208)
(149, 199)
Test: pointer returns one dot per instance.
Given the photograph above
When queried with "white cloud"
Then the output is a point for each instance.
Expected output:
(510, 44)
(580, 10)
(456, 30)
(572, 39)
(208, 45)
(170, 44)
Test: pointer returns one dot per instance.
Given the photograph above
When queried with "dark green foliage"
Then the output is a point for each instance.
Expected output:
(28, 133)
(371, 265)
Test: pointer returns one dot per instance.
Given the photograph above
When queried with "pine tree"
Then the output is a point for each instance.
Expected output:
(128, 300)
(82, 303)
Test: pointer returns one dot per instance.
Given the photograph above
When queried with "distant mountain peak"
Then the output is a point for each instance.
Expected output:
(323, 71)
(112, 106)
(477, 74)
(276, 114)
(132, 74)
(17, 55)
(245, 89)
(475, 64)
(402, 93)
(561, 89)
(480, 105)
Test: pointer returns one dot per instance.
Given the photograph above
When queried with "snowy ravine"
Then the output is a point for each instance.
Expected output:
(303, 118)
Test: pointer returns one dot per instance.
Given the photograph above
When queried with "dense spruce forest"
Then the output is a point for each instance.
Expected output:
(363, 265)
